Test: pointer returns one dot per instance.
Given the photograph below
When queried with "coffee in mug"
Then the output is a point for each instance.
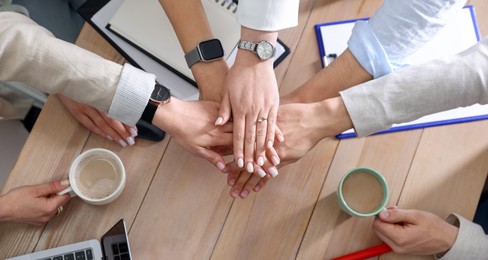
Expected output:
(362, 192)
(97, 176)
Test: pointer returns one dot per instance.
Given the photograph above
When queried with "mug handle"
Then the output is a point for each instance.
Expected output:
(70, 190)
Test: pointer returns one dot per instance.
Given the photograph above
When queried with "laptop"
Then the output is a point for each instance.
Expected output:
(114, 245)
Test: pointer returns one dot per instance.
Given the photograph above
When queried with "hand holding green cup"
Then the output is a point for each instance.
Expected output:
(362, 192)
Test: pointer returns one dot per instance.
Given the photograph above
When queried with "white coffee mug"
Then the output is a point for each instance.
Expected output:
(97, 176)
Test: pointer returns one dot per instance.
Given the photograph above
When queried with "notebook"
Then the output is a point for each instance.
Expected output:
(98, 13)
(113, 245)
(460, 34)
(145, 25)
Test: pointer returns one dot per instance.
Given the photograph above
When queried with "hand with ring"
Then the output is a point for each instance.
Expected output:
(35, 204)
(251, 97)
(59, 210)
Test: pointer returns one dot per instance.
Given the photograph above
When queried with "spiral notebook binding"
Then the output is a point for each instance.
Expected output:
(230, 5)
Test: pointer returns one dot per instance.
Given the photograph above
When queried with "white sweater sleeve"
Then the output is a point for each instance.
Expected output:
(410, 93)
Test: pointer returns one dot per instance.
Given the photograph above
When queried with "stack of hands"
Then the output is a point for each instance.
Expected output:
(245, 124)
(406, 231)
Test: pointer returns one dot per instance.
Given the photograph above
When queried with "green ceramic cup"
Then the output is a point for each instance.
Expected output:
(362, 192)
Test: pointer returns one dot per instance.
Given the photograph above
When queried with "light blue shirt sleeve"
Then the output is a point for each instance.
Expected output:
(398, 29)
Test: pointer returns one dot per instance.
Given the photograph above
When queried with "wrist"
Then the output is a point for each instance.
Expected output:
(165, 115)
(335, 117)
(4, 208)
(210, 78)
(449, 239)
(249, 34)
(256, 47)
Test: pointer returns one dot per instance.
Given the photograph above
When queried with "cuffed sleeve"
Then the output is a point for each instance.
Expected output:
(368, 51)
(132, 95)
(471, 241)
(397, 30)
(410, 93)
(32, 55)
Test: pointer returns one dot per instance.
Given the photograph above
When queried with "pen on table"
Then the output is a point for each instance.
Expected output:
(365, 253)
(325, 59)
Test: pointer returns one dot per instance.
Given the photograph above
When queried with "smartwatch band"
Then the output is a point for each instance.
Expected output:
(193, 57)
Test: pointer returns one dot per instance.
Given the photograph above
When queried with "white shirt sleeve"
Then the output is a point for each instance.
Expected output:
(410, 93)
(397, 30)
(268, 15)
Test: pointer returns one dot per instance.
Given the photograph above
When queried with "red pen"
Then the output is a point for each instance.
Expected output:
(365, 253)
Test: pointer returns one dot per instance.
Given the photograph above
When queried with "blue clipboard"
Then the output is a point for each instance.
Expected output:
(332, 39)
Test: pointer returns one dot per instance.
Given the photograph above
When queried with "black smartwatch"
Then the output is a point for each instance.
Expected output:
(205, 51)
(160, 96)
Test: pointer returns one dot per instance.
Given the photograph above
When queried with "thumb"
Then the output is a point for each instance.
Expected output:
(51, 188)
(224, 111)
(214, 158)
(395, 215)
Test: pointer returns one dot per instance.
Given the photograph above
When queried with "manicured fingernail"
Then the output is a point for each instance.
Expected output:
(64, 183)
(275, 160)
(109, 137)
(273, 171)
(281, 138)
(234, 193)
(220, 166)
(122, 143)
(133, 132)
(261, 173)
(244, 193)
(384, 214)
(130, 140)
(240, 163)
(250, 167)
(260, 161)
(232, 182)
(257, 188)
(219, 121)
(270, 144)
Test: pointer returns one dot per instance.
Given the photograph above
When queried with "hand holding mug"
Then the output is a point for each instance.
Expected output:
(96, 176)
(34, 204)
(362, 192)
(415, 232)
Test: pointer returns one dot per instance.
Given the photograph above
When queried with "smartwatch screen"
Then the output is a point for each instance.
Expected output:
(211, 49)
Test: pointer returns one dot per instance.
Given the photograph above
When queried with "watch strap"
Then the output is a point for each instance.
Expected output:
(149, 112)
(193, 56)
(247, 45)
(159, 96)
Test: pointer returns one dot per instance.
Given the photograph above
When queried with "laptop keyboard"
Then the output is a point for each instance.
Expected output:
(86, 254)
(120, 251)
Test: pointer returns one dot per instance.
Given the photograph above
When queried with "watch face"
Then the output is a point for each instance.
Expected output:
(160, 93)
(211, 49)
(265, 50)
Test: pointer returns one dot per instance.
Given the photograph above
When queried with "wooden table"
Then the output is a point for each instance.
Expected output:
(177, 206)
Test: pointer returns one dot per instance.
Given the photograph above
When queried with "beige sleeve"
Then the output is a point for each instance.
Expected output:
(471, 242)
(32, 55)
